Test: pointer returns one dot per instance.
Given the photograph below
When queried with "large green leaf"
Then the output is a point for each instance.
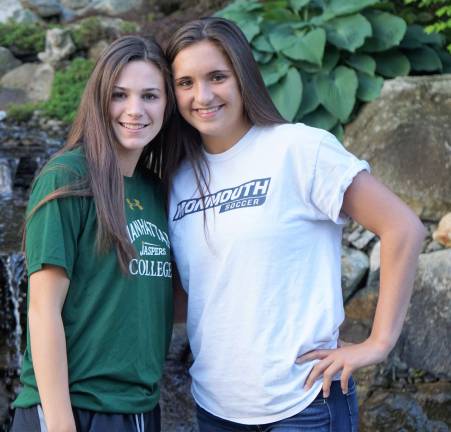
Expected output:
(282, 36)
(416, 37)
(369, 86)
(274, 70)
(424, 59)
(392, 63)
(337, 91)
(296, 5)
(445, 58)
(309, 47)
(338, 131)
(261, 58)
(346, 7)
(279, 14)
(363, 63)
(348, 32)
(287, 94)
(249, 28)
(310, 99)
(320, 118)
(330, 59)
(240, 6)
(261, 43)
(388, 31)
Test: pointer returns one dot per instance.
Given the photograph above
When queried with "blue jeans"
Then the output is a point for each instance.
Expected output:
(337, 413)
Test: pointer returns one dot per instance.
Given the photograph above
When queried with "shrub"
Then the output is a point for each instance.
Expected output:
(67, 88)
(22, 112)
(321, 59)
(22, 39)
(87, 32)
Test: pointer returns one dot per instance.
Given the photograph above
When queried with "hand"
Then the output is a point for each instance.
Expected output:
(346, 358)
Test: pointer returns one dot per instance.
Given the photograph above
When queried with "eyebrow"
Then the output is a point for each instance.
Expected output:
(208, 73)
(144, 90)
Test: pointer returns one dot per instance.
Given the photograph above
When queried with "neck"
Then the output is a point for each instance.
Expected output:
(127, 162)
(219, 144)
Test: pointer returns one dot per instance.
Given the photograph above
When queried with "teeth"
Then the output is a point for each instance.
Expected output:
(208, 110)
(133, 126)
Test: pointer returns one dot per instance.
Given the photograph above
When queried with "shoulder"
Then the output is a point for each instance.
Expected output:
(65, 167)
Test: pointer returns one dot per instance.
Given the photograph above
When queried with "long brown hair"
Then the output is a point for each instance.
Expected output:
(185, 142)
(93, 132)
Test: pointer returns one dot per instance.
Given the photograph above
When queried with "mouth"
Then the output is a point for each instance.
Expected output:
(208, 112)
(134, 126)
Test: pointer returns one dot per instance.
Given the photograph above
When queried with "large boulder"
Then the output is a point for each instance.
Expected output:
(43, 8)
(108, 7)
(8, 8)
(7, 61)
(405, 136)
(34, 79)
(426, 338)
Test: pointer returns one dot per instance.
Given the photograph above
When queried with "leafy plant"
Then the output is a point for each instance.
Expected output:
(22, 39)
(87, 32)
(67, 88)
(321, 59)
(441, 21)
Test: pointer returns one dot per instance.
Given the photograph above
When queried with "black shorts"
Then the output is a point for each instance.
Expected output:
(32, 420)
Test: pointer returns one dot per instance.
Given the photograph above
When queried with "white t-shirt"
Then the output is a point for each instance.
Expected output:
(262, 268)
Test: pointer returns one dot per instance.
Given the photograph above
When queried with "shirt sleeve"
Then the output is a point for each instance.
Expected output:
(334, 170)
(52, 230)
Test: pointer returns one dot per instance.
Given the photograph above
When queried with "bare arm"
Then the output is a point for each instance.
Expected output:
(375, 207)
(48, 290)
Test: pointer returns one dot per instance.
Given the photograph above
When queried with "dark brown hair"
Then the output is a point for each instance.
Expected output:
(185, 142)
(92, 130)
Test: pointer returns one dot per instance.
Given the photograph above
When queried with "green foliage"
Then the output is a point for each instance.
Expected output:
(22, 38)
(441, 21)
(67, 88)
(321, 59)
(87, 32)
(22, 112)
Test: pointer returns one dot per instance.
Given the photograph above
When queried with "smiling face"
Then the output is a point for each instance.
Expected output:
(137, 110)
(208, 95)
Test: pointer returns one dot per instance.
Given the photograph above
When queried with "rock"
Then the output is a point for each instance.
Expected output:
(375, 257)
(405, 136)
(35, 80)
(3, 115)
(443, 233)
(177, 405)
(396, 411)
(58, 46)
(354, 265)
(7, 61)
(435, 400)
(8, 8)
(97, 49)
(426, 338)
(108, 7)
(25, 16)
(43, 8)
(360, 237)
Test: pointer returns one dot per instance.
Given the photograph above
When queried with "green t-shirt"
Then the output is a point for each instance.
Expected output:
(117, 326)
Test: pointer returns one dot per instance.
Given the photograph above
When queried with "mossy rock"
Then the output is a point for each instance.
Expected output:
(23, 39)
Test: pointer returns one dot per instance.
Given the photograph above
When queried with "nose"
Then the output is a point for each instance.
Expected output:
(134, 108)
(203, 93)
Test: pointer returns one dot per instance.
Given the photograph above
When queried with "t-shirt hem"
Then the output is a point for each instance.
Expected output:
(32, 268)
(265, 419)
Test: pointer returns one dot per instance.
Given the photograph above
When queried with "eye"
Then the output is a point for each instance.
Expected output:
(218, 77)
(149, 96)
(184, 83)
(118, 95)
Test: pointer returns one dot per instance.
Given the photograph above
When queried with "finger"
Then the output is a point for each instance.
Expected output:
(344, 380)
(328, 376)
(317, 371)
(313, 355)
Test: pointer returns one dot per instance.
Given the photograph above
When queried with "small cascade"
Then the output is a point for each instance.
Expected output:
(15, 276)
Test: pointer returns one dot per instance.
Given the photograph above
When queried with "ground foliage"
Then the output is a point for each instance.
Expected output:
(321, 59)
